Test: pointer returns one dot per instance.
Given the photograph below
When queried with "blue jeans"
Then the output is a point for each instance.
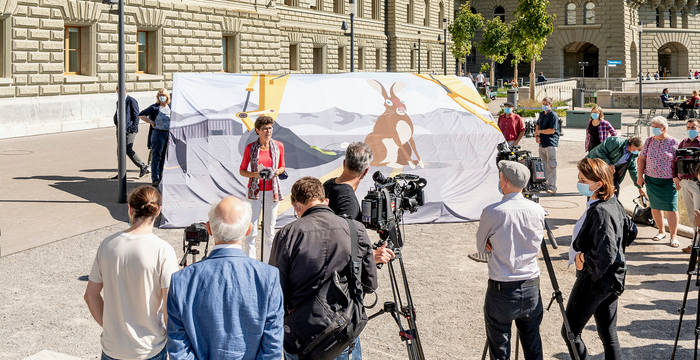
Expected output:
(159, 142)
(514, 301)
(355, 355)
(162, 355)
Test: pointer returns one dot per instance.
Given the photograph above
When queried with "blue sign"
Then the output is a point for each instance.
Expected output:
(614, 62)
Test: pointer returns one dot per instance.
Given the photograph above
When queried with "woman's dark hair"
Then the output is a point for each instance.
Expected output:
(262, 121)
(598, 170)
(145, 200)
(664, 90)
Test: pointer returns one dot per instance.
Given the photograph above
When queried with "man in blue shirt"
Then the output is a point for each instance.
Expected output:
(132, 128)
(547, 135)
(227, 306)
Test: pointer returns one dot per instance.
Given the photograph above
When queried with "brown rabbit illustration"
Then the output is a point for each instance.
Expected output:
(391, 139)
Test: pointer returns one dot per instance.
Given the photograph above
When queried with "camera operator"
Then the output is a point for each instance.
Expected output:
(511, 230)
(308, 252)
(690, 192)
(204, 295)
(340, 191)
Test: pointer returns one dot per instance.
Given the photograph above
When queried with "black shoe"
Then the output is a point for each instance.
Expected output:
(155, 184)
(144, 171)
(115, 177)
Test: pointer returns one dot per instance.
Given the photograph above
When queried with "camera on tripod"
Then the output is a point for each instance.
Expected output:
(687, 160)
(384, 205)
(538, 181)
(266, 174)
(194, 235)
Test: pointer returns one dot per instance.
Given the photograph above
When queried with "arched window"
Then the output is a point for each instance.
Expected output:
(441, 15)
(409, 12)
(426, 19)
(589, 13)
(570, 18)
(500, 12)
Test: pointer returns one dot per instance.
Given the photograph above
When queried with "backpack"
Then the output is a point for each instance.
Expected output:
(345, 315)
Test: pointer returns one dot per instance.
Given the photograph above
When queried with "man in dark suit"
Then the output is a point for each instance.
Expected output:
(227, 306)
(132, 128)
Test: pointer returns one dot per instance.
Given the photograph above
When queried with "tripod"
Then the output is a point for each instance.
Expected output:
(692, 270)
(265, 174)
(189, 249)
(556, 295)
(397, 309)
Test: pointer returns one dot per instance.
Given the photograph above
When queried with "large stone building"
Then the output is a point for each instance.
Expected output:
(58, 64)
(594, 31)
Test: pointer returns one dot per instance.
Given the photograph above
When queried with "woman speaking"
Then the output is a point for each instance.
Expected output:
(600, 260)
(267, 155)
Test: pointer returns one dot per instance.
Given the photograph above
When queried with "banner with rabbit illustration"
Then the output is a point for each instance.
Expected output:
(433, 126)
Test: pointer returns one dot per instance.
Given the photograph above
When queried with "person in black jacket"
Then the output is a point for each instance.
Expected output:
(132, 128)
(599, 258)
(307, 253)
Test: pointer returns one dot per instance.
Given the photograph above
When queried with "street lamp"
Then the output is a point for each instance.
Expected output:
(639, 55)
(121, 103)
(444, 43)
(418, 48)
(344, 27)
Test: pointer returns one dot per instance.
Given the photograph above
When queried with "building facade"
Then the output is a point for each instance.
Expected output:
(58, 64)
(588, 33)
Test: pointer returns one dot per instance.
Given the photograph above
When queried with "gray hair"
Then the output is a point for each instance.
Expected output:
(660, 120)
(548, 100)
(358, 156)
(235, 232)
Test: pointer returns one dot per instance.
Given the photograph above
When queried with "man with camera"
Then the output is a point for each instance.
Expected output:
(312, 255)
(687, 183)
(340, 191)
(227, 305)
(511, 230)
(547, 135)
(621, 156)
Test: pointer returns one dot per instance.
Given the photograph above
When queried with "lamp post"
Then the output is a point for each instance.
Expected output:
(344, 27)
(444, 46)
(418, 48)
(639, 55)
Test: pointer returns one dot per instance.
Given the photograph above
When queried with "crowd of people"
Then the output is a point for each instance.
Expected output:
(680, 108)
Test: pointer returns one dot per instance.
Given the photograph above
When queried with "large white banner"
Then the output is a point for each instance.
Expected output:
(433, 126)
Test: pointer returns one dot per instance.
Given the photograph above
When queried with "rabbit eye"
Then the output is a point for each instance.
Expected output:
(388, 102)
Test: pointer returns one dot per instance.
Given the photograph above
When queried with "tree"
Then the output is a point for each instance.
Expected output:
(532, 28)
(516, 47)
(463, 30)
(494, 43)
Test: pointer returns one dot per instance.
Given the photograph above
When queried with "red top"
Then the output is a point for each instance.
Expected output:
(264, 160)
(511, 126)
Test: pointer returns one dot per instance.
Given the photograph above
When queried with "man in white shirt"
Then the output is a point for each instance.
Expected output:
(480, 79)
(511, 230)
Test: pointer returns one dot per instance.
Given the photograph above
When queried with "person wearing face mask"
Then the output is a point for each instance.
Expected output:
(655, 170)
(598, 129)
(547, 135)
(600, 261)
(158, 115)
(621, 156)
(690, 192)
(511, 230)
(511, 125)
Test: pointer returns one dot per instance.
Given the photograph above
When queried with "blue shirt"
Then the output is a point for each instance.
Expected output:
(625, 158)
(515, 228)
(549, 120)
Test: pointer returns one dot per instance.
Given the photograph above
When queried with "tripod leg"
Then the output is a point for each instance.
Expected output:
(517, 344)
(486, 349)
(692, 269)
(262, 236)
(697, 319)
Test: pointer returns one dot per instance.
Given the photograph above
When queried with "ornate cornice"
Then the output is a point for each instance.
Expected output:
(82, 12)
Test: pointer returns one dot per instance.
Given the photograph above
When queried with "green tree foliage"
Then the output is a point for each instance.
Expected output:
(516, 47)
(494, 43)
(532, 28)
(463, 29)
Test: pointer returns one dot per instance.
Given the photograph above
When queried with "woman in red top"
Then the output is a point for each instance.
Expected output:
(265, 153)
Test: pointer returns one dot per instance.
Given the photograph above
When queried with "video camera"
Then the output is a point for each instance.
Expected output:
(383, 207)
(194, 235)
(538, 181)
(687, 160)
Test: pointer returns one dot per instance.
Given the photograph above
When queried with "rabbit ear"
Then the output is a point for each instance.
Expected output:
(378, 86)
(395, 88)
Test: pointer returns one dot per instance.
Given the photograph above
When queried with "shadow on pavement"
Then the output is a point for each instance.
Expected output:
(99, 191)
(653, 351)
(669, 306)
(666, 286)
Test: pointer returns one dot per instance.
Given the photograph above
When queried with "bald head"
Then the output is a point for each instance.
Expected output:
(229, 220)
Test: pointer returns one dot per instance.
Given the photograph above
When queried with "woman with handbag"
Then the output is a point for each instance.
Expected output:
(265, 158)
(600, 260)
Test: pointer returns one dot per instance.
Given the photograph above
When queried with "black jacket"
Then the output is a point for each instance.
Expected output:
(132, 114)
(600, 241)
(307, 252)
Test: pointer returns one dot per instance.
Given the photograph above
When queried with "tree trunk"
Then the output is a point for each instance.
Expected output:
(493, 72)
(515, 74)
(532, 79)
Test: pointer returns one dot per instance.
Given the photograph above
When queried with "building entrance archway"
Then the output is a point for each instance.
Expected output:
(673, 60)
(580, 60)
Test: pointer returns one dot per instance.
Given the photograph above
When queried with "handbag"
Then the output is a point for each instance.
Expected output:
(642, 212)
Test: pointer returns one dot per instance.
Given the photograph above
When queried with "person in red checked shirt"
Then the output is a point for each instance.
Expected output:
(511, 125)
(265, 153)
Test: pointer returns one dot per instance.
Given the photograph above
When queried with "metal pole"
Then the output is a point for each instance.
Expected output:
(121, 142)
(639, 55)
(444, 48)
(419, 53)
(352, 42)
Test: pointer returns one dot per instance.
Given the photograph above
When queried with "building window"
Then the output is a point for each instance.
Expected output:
(294, 57)
(72, 50)
(319, 60)
(430, 62)
(413, 59)
(441, 15)
(318, 6)
(231, 53)
(5, 41)
(376, 10)
(673, 18)
(341, 58)
(361, 58)
(426, 19)
(291, 2)
(684, 18)
(409, 12)
(338, 6)
(142, 58)
(378, 59)
(589, 13)
(570, 18)
(499, 12)
(659, 19)
(360, 8)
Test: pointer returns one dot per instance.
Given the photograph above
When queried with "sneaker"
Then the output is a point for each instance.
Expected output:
(144, 171)
(155, 184)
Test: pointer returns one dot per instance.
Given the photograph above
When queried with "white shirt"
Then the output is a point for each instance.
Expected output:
(480, 78)
(227, 246)
(515, 228)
